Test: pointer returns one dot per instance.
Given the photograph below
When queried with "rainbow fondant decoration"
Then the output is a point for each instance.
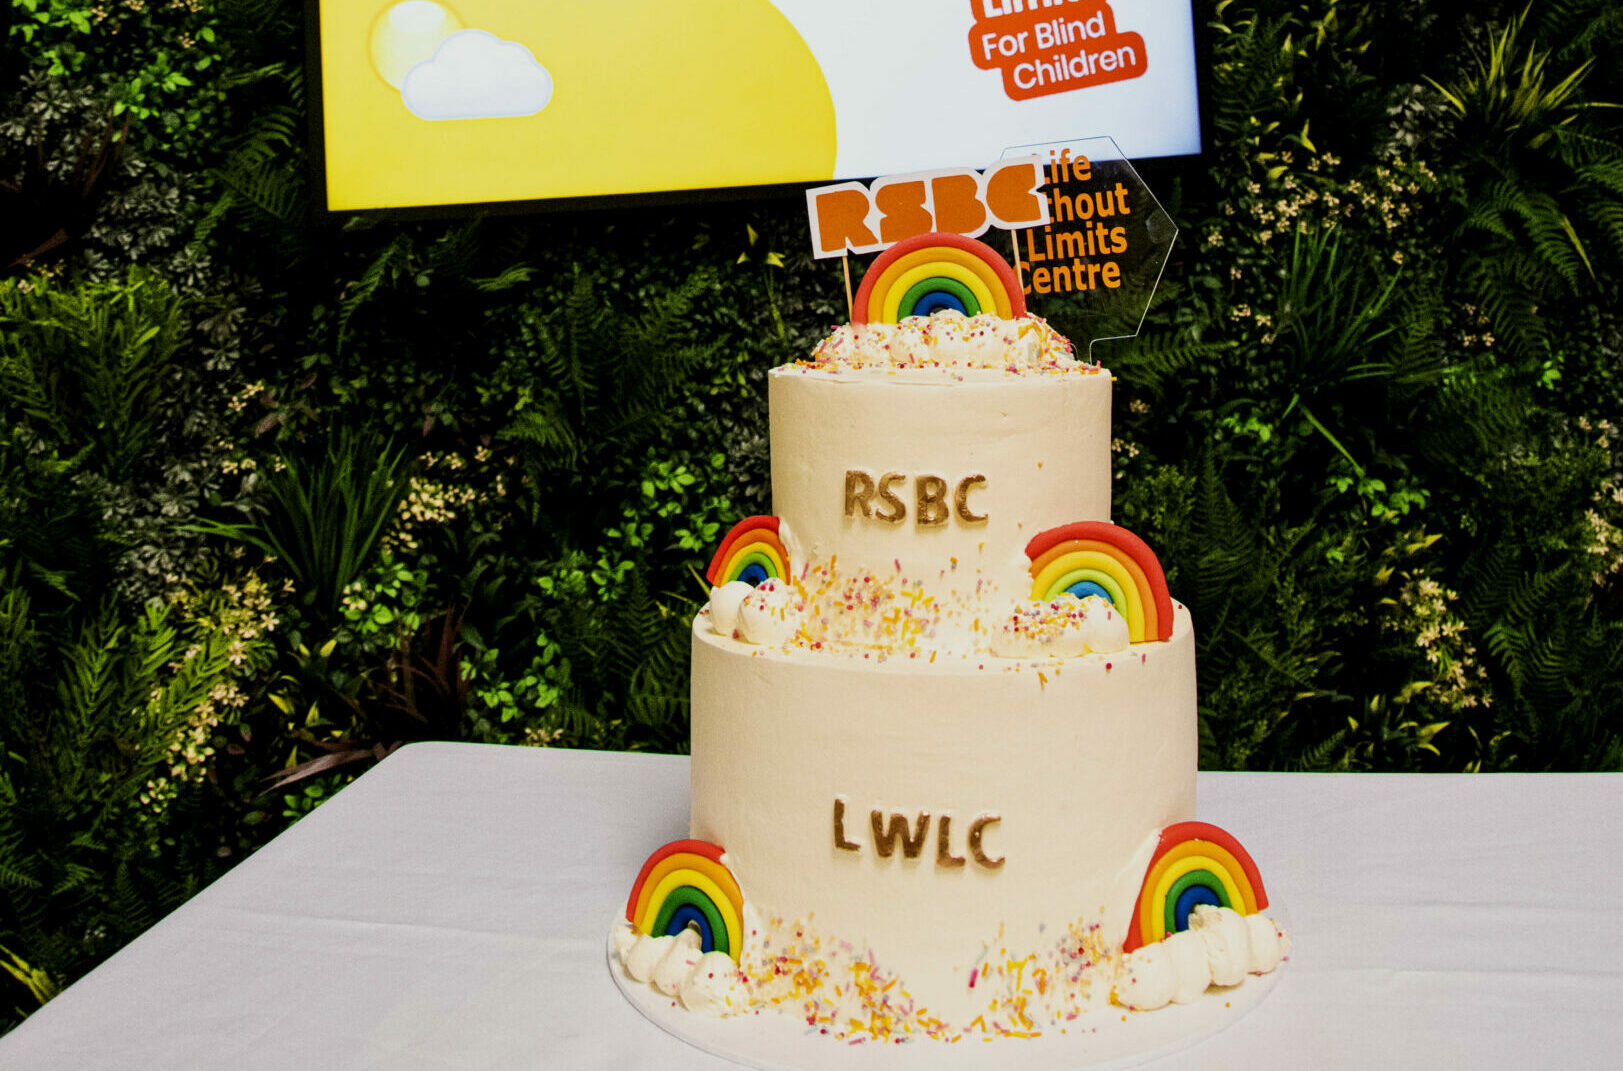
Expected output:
(1194, 863)
(752, 552)
(1100, 558)
(927, 272)
(686, 884)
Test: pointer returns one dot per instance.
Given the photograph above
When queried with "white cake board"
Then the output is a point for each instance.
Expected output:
(1109, 1038)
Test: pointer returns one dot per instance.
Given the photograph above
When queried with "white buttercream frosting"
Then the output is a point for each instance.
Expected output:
(769, 615)
(724, 605)
(1267, 943)
(715, 987)
(644, 955)
(1106, 628)
(947, 339)
(677, 963)
(1148, 978)
(624, 938)
(1228, 942)
(1190, 961)
(706, 982)
(1220, 947)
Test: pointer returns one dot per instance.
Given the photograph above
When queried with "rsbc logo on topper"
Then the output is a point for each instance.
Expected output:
(1053, 46)
(850, 217)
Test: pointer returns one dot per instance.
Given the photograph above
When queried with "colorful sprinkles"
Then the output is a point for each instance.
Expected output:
(842, 990)
(948, 341)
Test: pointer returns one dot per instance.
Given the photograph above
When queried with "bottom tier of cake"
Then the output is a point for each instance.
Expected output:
(967, 838)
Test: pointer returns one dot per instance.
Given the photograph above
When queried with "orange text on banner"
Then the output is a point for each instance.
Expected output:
(850, 217)
(1053, 46)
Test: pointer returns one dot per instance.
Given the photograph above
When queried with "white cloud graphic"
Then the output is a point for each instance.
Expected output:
(477, 75)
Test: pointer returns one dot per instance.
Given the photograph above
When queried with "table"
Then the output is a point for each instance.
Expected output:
(448, 911)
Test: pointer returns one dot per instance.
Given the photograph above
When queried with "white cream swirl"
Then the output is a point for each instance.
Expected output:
(675, 966)
(714, 987)
(1269, 944)
(769, 616)
(644, 955)
(1220, 948)
(724, 604)
(1228, 942)
(1190, 961)
(709, 983)
(1106, 627)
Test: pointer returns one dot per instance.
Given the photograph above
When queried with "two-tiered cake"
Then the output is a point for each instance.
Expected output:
(943, 724)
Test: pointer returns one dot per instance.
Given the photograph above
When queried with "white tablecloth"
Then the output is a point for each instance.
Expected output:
(448, 911)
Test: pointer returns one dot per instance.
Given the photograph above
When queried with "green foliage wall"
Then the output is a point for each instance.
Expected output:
(279, 493)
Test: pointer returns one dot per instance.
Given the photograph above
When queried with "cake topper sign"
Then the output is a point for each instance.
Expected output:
(1079, 217)
(1106, 234)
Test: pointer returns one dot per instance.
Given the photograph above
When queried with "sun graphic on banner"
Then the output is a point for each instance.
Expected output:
(407, 34)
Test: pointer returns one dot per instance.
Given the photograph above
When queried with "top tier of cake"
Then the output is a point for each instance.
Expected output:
(912, 463)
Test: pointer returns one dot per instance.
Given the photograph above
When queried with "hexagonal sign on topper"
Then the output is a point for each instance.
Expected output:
(1101, 253)
(1087, 241)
